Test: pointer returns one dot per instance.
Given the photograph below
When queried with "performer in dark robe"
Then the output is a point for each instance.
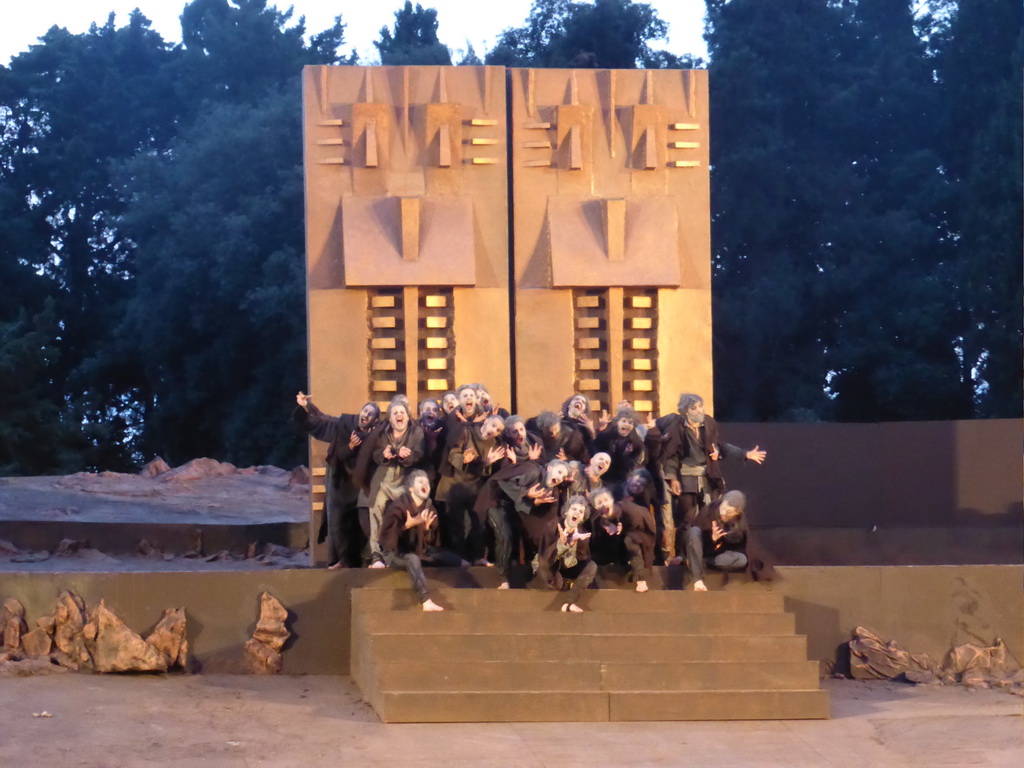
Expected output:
(639, 529)
(576, 419)
(408, 536)
(386, 457)
(520, 445)
(623, 443)
(564, 554)
(344, 435)
(720, 538)
(520, 499)
(689, 453)
(472, 458)
(559, 442)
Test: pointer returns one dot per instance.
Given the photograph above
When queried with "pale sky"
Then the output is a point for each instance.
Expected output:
(478, 21)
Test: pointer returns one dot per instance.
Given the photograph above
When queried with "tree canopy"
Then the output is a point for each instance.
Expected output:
(866, 215)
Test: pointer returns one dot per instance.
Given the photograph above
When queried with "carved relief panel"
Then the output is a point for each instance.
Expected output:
(611, 236)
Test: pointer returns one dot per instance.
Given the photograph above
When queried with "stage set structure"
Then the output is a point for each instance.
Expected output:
(544, 232)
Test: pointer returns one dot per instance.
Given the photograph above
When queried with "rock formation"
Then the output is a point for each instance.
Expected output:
(263, 650)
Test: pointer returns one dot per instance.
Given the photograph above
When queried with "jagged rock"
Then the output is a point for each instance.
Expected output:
(969, 664)
(299, 476)
(30, 557)
(168, 638)
(47, 624)
(7, 548)
(37, 643)
(198, 469)
(27, 667)
(263, 651)
(148, 549)
(155, 468)
(270, 629)
(262, 659)
(872, 659)
(116, 648)
(983, 667)
(69, 624)
(12, 624)
(221, 556)
(70, 546)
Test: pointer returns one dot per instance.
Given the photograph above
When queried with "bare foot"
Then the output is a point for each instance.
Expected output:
(677, 560)
(335, 567)
(641, 586)
(430, 605)
(483, 562)
(571, 608)
(464, 564)
(377, 564)
(699, 586)
(503, 585)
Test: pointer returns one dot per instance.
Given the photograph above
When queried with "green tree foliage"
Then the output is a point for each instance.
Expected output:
(414, 39)
(78, 113)
(30, 398)
(217, 322)
(979, 66)
(604, 34)
(72, 105)
(835, 269)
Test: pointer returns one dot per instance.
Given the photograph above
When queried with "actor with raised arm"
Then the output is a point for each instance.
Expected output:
(408, 536)
(564, 554)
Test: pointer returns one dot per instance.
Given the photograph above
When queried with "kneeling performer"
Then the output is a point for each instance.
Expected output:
(408, 536)
(564, 553)
(718, 538)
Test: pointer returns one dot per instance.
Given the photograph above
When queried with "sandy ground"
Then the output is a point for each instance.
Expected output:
(200, 492)
(243, 721)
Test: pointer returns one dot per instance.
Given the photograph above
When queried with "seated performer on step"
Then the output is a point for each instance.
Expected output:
(386, 457)
(344, 435)
(688, 451)
(408, 536)
(520, 499)
(720, 538)
(564, 554)
(624, 531)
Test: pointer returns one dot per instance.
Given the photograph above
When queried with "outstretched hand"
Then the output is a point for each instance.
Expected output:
(534, 452)
(303, 399)
(756, 455)
(540, 494)
(494, 453)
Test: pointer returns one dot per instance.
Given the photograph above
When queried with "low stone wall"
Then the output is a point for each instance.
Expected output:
(925, 608)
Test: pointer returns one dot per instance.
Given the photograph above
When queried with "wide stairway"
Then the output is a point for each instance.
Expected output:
(505, 656)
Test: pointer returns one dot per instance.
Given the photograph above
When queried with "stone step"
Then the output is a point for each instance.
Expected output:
(605, 600)
(577, 706)
(596, 647)
(594, 623)
(577, 675)
(811, 704)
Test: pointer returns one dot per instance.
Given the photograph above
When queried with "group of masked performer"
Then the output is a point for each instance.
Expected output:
(467, 483)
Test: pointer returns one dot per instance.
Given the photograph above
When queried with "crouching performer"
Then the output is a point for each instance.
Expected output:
(408, 536)
(720, 539)
(520, 499)
(564, 553)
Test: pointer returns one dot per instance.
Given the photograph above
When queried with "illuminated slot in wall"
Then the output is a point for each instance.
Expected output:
(435, 346)
(590, 335)
(640, 349)
(385, 320)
